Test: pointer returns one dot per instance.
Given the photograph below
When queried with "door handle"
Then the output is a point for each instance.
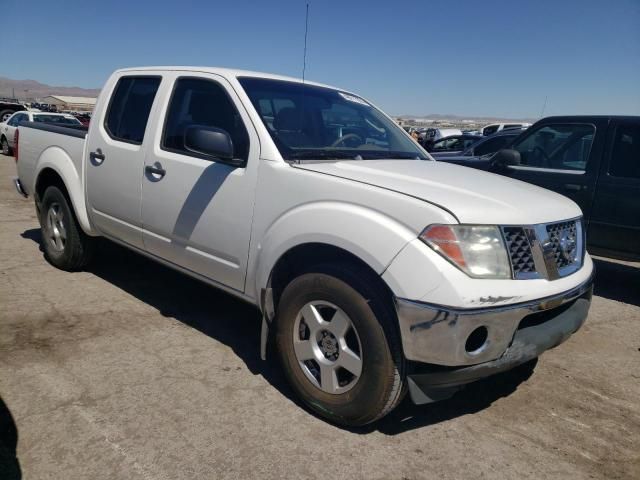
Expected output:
(572, 186)
(97, 157)
(155, 170)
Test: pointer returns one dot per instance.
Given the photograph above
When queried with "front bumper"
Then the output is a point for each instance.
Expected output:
(513, 335)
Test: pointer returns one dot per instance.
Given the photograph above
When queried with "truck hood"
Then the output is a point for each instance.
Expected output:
(471, 195)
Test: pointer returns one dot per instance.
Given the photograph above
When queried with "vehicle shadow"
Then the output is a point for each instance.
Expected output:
(9, 464)
(471, 399)
(617, 281)
(237, 325)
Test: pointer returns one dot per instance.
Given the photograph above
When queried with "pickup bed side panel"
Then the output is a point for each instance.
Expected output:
(40, 150)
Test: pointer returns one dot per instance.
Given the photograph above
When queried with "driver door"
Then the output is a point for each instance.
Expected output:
(197, 211)
(562, 157)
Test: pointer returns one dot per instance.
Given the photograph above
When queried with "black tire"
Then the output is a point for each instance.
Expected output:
(6, 149)
(381, 384)
(5, 112)
(77, 247)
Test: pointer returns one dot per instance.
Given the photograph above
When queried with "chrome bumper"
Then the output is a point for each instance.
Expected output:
(448, 336)
(19, 188)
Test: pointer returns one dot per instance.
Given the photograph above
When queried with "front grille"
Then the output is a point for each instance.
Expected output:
(563, 235)
(519, 250)
(545, 250)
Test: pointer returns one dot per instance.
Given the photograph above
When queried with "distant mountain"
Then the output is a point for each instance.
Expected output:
(34, 90)
(461, 118)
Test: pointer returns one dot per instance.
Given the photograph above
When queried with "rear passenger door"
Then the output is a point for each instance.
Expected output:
(116, 146)
(563, 157)
(615, 222)
(196, 210)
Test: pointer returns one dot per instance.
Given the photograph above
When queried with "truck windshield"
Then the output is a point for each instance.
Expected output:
(308, 122)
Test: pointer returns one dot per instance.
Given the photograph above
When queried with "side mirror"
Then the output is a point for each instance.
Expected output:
(211, 142)
(504, 158)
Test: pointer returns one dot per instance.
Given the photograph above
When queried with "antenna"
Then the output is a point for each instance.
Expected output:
(544, 106)
(304, 56)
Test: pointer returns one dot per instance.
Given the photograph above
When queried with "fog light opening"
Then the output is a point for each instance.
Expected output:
(476, 340)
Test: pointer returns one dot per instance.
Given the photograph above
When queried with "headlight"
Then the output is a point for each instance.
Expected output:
(477, 250)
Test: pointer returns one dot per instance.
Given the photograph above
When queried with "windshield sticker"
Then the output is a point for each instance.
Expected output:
(353, 98)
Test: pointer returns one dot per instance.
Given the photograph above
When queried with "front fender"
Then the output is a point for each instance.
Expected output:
(368, 234)
(55, 158)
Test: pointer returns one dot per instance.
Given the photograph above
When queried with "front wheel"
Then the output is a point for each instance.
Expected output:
(66, 246)
(339, 346)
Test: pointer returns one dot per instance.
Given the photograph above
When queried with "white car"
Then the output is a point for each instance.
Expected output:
(498, 127)
(378, 271)
(430, 135)
(8, 128)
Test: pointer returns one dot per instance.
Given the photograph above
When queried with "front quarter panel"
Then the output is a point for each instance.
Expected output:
(295, 207)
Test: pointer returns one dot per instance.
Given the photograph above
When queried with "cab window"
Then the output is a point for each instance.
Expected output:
(490, 130)
(625, 156)
(129, 109)
(558, 147)
(492, 145)
(20, 117)
(196, 101)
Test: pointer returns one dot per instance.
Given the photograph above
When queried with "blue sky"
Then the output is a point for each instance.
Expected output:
(480, 57)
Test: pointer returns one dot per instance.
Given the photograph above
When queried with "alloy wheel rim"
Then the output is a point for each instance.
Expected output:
(56, 232)
(327, 347)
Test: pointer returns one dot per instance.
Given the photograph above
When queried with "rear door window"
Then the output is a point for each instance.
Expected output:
(129, 109)
(625, 156)
(21, 117)
(558, 147)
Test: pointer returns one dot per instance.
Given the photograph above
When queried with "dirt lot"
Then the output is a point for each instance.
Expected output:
(130, 370)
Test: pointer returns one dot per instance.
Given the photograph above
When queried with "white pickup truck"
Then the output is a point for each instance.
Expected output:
(377, 270)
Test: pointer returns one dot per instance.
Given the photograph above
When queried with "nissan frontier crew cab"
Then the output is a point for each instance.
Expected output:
(377, 270)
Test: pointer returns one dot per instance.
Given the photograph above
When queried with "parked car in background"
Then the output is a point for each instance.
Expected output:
(498, 127)
(432, 134)
(8, 107)
(479, 151)
(84, 118)
(595, 161)
(453, 144)
(377, 271)
(8, 128)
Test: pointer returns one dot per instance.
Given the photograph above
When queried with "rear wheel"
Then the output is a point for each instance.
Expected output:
(339, 345)
(66, 246)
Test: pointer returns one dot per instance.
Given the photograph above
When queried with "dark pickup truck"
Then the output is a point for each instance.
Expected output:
(595, 161)
(8, 107)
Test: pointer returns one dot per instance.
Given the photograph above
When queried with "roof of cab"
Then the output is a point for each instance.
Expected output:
(225, 72)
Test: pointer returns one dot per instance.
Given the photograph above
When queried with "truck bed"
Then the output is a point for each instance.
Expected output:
(40, 142)
(79, 131)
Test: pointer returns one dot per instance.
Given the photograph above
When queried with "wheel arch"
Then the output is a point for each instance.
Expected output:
(300, 259)
(65, 177)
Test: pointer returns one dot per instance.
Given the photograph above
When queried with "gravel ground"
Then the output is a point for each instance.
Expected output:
(130, 370)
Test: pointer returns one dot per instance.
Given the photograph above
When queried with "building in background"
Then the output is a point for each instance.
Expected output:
(74, 104)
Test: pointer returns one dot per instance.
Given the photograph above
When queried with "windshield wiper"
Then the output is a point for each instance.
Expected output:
(322, 155)
(373, 155)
